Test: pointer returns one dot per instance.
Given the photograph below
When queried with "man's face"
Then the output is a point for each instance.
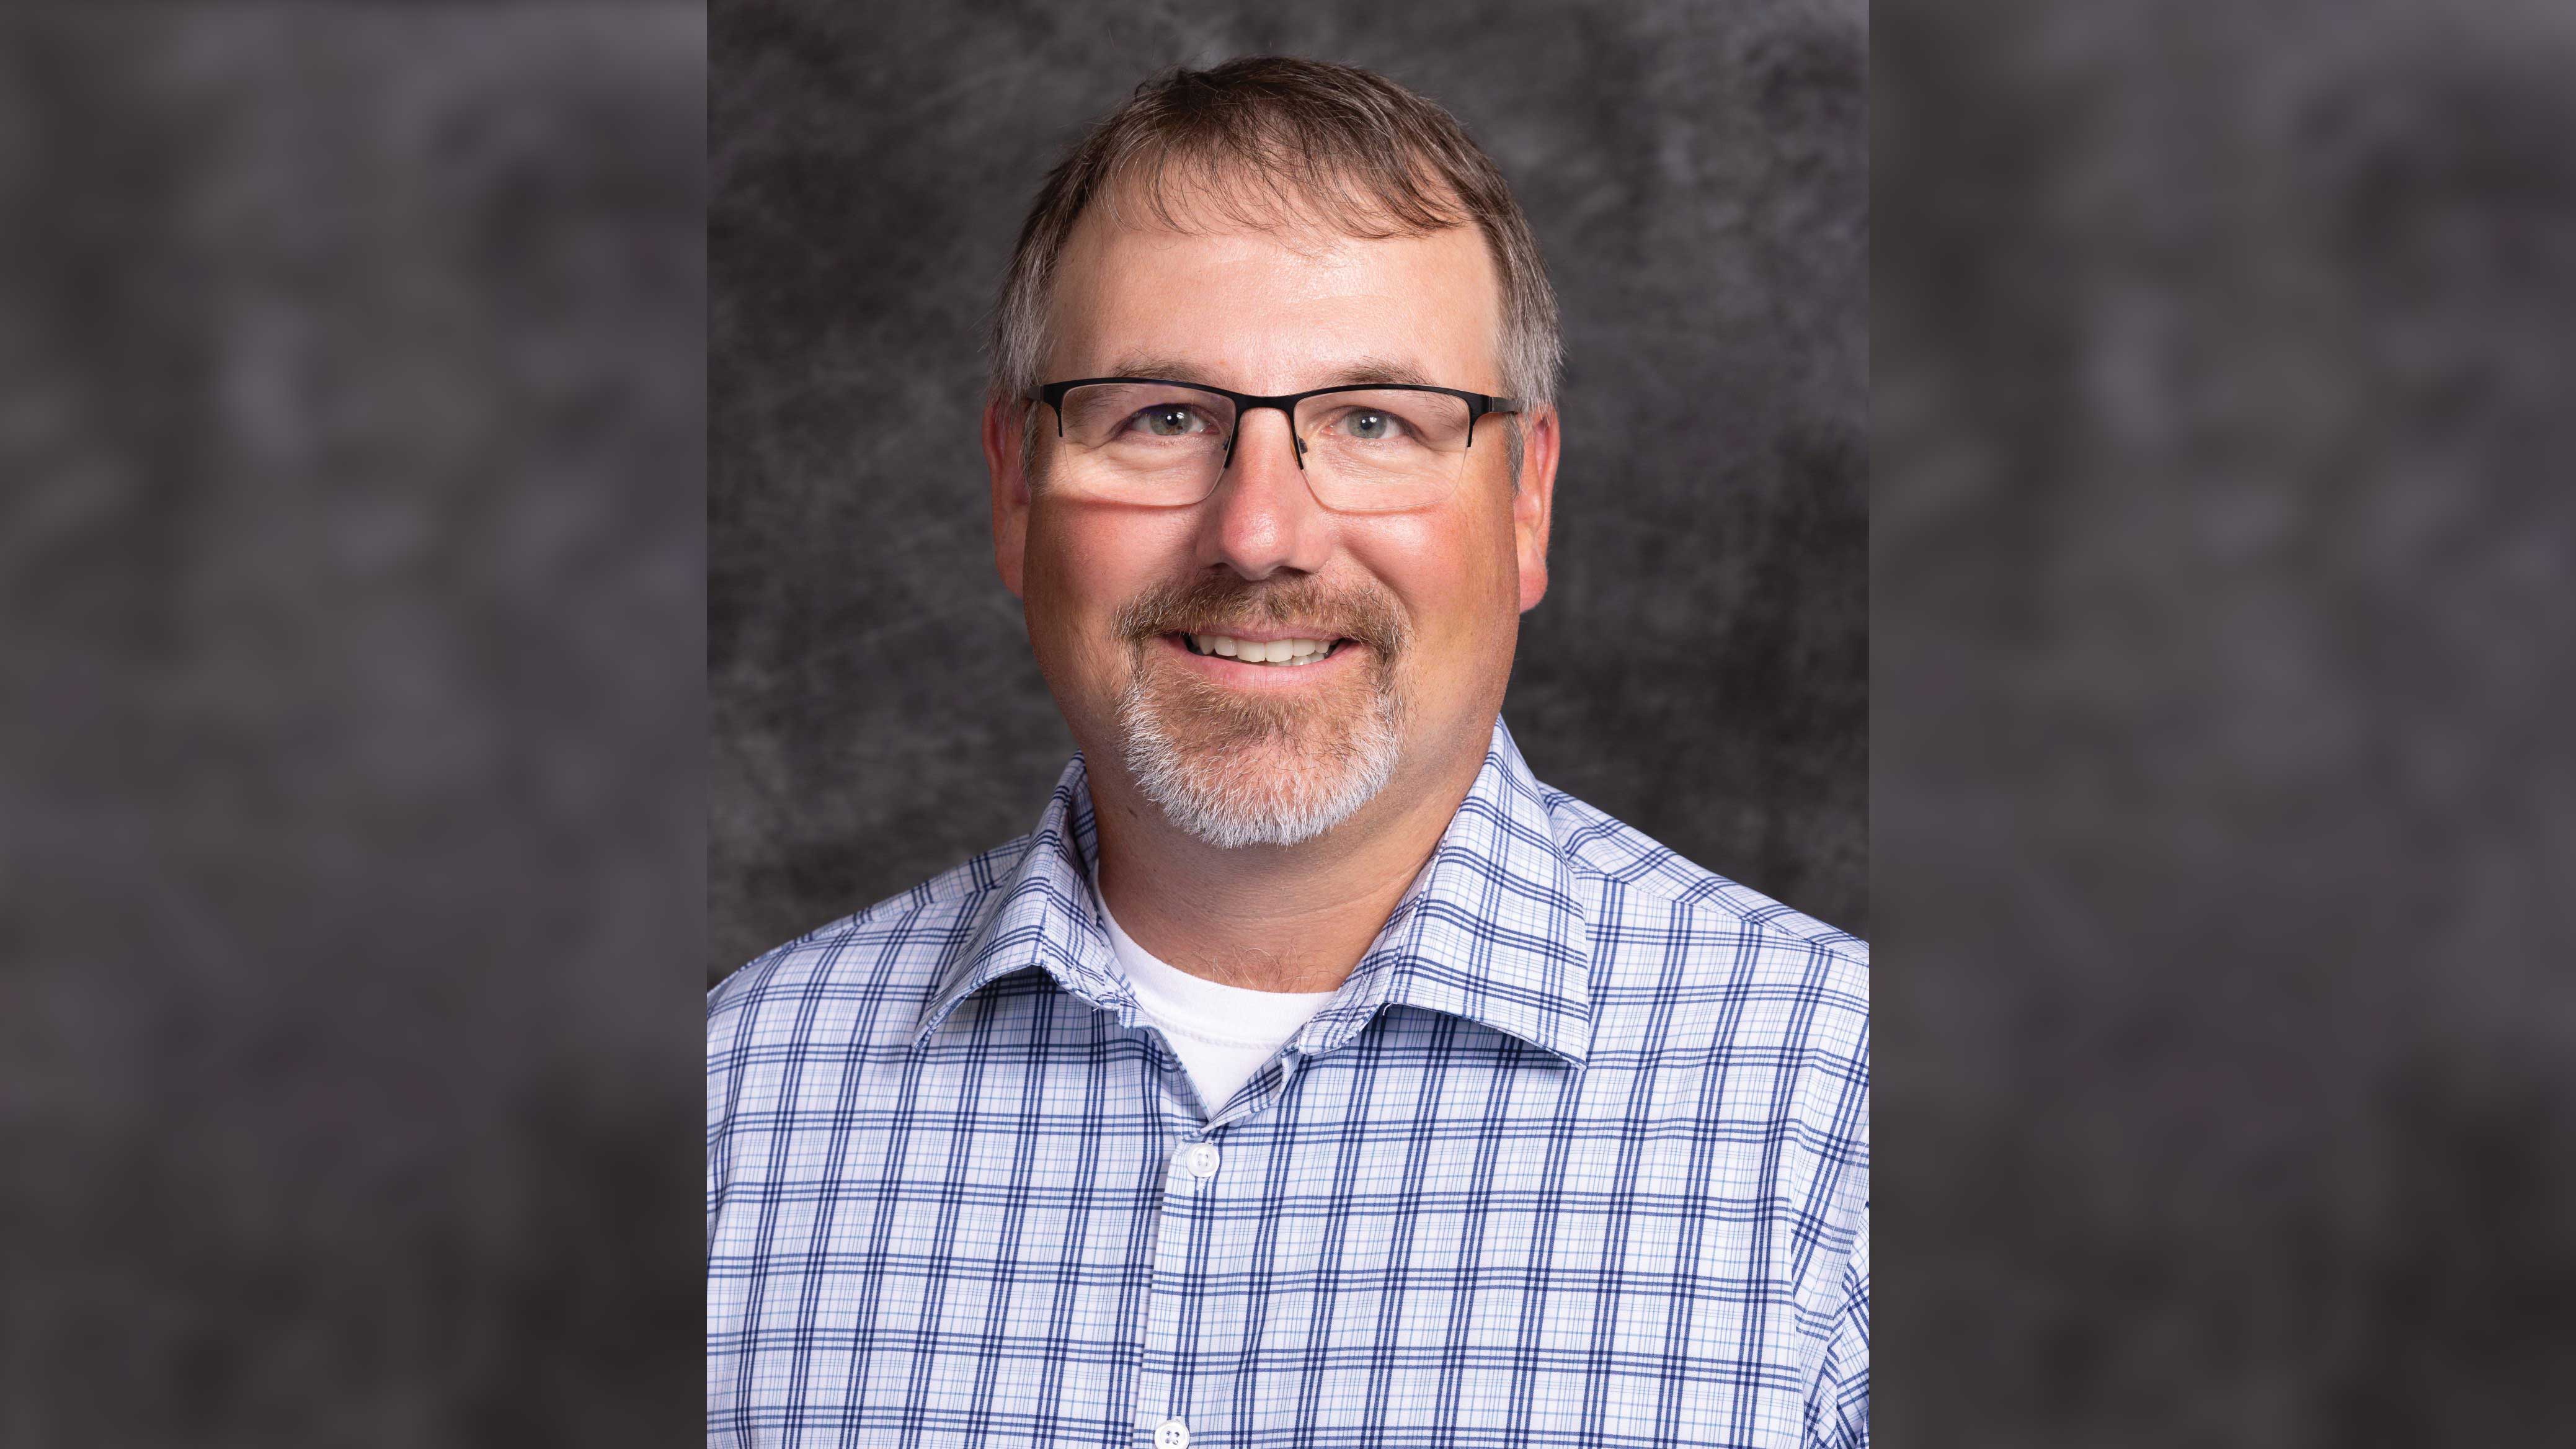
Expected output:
(1421, 608)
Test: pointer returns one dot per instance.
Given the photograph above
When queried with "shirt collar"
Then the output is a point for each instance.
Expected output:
(1491, 931)
(1041, 918)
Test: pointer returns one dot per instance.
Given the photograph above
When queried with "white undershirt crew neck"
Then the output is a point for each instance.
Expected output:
(1223, 1033)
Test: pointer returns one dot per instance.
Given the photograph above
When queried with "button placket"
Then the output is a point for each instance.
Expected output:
(1187, 1171)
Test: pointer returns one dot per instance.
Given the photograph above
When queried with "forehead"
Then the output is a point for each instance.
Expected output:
(1275, 308)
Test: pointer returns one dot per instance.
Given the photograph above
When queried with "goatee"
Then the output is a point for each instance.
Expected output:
(1235, 768)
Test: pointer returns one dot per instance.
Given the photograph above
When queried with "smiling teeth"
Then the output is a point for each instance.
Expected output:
(1255, 651)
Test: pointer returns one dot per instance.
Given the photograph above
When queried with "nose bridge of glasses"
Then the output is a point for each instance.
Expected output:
(1244, 410)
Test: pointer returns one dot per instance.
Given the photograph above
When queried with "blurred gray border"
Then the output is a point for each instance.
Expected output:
(2225, 816)
(351, 763)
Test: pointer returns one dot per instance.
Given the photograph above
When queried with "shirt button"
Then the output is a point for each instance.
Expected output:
(1201, 1159)
(1172, 1434)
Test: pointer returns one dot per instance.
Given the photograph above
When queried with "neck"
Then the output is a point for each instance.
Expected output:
(1269, 917)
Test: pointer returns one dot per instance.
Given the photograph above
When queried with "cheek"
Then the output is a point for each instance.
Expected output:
(1458, 577)
(1056, 607)
(1084, 563)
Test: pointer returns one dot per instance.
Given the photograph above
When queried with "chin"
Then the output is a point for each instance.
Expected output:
(1236, 771)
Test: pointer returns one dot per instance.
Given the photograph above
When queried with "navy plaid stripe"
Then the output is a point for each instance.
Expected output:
(1577, 1156)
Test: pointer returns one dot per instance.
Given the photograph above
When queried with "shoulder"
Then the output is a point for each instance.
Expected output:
(1689, 968)
(1689, 946)
(894, 949)
(1644, 873)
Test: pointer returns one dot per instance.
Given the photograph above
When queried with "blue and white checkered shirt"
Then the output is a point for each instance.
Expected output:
(1578, 1155)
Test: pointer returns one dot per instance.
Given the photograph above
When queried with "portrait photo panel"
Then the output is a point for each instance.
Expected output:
(1697, 180)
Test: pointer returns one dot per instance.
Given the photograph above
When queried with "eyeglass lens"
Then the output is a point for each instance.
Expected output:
(1377, 450)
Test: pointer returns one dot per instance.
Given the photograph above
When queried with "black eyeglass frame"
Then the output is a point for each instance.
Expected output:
(1052, 394)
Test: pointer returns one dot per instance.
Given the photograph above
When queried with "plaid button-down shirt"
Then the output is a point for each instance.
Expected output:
(1578, 1155)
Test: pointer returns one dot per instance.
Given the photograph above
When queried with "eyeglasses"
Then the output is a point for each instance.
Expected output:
(1365, 447)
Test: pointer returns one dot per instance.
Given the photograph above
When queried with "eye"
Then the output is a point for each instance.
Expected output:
(1371, 426)
(1171, 420)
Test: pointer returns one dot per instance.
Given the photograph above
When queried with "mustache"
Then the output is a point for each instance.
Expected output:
(1217, 602)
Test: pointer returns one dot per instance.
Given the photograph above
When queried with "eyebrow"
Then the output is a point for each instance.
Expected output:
(1356, 372)
(1171, 368)
(1379, 369)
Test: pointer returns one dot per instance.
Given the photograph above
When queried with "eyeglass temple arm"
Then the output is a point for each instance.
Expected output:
(1038, 394)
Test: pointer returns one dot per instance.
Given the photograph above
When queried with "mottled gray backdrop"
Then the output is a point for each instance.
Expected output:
(1697, 174)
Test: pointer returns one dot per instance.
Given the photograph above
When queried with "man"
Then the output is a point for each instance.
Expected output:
(1311, 1075)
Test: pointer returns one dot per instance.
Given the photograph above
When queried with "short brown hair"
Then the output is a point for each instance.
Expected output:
(1374, 158)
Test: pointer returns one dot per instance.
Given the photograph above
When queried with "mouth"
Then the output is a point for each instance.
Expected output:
(1291, 653)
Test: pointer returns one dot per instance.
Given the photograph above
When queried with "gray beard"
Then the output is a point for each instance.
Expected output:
(1233, 774)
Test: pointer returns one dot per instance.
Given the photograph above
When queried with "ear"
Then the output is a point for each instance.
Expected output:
(1534, 502)
(1003, 437)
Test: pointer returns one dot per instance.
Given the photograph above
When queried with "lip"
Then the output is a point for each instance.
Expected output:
(1265, 676)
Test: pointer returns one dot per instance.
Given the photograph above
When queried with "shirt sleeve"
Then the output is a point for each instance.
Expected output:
(1838, 1401)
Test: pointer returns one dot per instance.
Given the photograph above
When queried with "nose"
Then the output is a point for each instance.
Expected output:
(1263, 519)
